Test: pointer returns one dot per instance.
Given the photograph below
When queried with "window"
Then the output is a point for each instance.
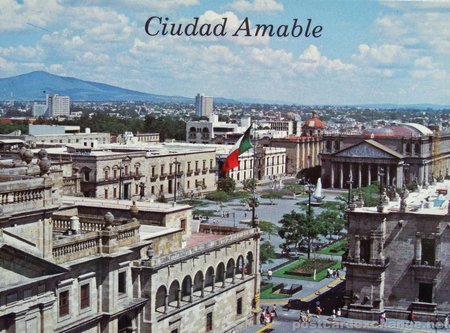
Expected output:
(162, 170)
(426, 292)
(115, 173)
(210, 164)
(204, 164)
(196, 165)
(174, 331)
(188, 184)
(126, 170)
(153, 171)
(106, 174)
(137, 171)
(86, 176)
(114, 192)
(106, 193)
(64, 303)
(122, 282)
(170, 168)
(365, 250)
(136, 188)
(183, 224)
(209, 322)
(84, 296)
(239, 306)
(153, 190)
(189, 166)
(428, 251)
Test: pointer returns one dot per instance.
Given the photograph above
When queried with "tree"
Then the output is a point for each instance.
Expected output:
(249, 184)
(227, 185)
(332, 220)
(299, 228)
(268, 227)
(266, 252)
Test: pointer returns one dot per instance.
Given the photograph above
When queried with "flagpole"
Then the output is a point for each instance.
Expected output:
(257, 281)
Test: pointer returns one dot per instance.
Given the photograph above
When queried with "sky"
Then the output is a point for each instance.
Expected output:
(366, 52)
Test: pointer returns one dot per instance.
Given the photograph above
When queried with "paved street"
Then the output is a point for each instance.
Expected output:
(287, 321)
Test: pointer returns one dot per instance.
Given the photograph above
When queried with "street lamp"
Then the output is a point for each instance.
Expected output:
(350, 183)
(381, 174)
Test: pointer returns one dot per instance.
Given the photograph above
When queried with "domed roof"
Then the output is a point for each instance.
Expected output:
(313, 122)
(405, 130)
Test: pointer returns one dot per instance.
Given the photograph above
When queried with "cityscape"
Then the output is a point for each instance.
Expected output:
(240, 166)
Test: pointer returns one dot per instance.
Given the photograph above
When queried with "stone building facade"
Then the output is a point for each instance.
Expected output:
(399, 254)
(303, 150)
(135, 172)
(392, 154)
(93, 265)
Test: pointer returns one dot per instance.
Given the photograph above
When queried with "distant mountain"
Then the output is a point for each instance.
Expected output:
(31, 86)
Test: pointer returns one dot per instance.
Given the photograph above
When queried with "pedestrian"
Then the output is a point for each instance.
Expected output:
(269, 274)
(301, 319)
(337, 273)
(328, 273)
(318, 310)
(383, 318)
(446, 320)
(333, 316)
(274, 310)
(338, 313)
(262, 318)
(411, 317)
(308, 316)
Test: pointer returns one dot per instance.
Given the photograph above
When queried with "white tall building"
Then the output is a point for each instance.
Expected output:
(39, 109)
(58, 105)
(203, 105)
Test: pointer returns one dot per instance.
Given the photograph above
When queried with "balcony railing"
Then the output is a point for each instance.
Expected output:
(94, 242)
(22, 195)
(373, 263)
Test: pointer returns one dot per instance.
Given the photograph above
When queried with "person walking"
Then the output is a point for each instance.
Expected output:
(269, 274)
(411, 316)
(274, 310)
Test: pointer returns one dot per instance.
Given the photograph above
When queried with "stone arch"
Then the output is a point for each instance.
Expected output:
(209, 277)
(160, 299)
(192, 129)
(220, 273)
(198, 281)
(186, 287)
(205, 130)
(230, 269)
(174, 292)
(249, 263)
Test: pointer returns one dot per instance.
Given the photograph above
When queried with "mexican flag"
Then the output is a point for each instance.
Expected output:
(240, 147)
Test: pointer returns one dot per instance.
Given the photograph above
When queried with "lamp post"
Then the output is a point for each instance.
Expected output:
(350, 183)
(309, 190)
(381, 174)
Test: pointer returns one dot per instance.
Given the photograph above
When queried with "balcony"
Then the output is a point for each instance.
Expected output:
(205, 171)
(154, 177)
(162, 176)
(427, 270)
(380, 264)
(189, 172)
(197, 172)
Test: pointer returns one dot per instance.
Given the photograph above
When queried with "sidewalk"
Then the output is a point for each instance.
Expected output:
(287, 321)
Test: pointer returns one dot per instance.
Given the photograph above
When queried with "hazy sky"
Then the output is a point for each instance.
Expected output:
(368, 51)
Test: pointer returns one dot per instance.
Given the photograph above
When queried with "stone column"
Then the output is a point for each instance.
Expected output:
(369, 174)
(191, 293)
(202, 293)
(178, 298)
(166, 302)
(224, 277)
(420, 175)
(341, 175)
(418, 256)
(332, 174)
(357, 248)
(234, 274)
(388, 175)
(359, 175)
(214, 282)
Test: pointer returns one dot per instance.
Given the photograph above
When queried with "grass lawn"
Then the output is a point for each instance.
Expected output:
(335, 249)
(320, 275)
(266, 293)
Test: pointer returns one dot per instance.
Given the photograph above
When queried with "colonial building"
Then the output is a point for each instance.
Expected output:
(302, 151)
(91, 265)
(392, 154)
(399, 254)
(142, 170)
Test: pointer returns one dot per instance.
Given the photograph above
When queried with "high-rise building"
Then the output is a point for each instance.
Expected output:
(203, 105)
(39, 109)
(58, 105)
